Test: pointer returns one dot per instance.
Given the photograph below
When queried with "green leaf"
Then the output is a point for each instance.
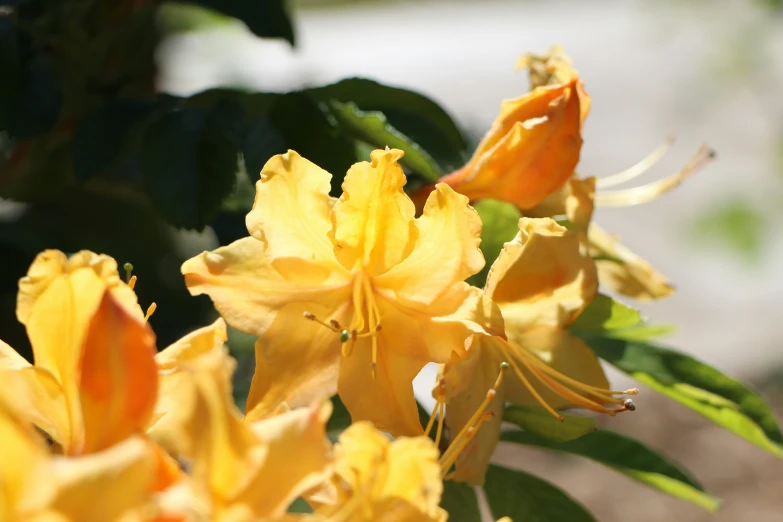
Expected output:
(705, 390)
(460, 500)
(373, 128)
(189, 159)
(605, 314)
(412, 114)
(500, 225)
(526, 498)
(267, 18)
(340, 419)
(629, 457)
(299, 505)
(537, 420)
(102, 134)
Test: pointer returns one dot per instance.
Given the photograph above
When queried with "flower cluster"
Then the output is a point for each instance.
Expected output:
(348, 296)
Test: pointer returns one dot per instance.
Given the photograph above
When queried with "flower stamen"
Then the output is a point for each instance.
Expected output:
(481, 416)
(639, 168)
(150, 311)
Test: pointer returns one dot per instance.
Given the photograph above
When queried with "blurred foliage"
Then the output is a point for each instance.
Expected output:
(737, 224)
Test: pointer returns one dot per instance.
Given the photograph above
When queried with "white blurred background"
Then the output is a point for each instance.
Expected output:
(711, 74)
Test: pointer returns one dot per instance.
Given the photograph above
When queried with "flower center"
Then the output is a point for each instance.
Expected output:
(366, 321)
(131, 279)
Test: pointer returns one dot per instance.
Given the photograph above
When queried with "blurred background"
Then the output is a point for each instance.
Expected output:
(707, 74)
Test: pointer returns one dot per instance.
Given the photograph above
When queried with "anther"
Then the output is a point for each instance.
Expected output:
(150, 311)
(629, 405)
(132, 282)
(336, 324)
(378, 327)
(309, 316)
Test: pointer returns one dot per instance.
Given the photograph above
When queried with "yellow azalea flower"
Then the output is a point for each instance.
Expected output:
(94, 382)
(541, 283)
(384, 291)
(240, 471)
(376, 479)
(35, 487)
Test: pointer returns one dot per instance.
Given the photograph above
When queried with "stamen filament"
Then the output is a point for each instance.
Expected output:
(441, 418)
(526, 382)
(132, 282)
(651, 191)
(638, 169)
(150, 311)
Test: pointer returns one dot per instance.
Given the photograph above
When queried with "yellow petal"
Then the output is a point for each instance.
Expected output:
(83, 494)
(574, 200)
(467, 382)
(118, 382)
(565, 353)
(191, 346)
(373, 221)
(530, 151)
(248, 290)
(291, 213)
(625, 271)
(296, 361)
(298, 459)
(414, 473)
(541, 277)
(51, 265)
(446, 251)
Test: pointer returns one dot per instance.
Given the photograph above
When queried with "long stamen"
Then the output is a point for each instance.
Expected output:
(651, 191)
(471, 427)
(640, 168)
(527, 384)
(150, 311)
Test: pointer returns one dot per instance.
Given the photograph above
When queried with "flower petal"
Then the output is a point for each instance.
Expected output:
(291, 212)
(541, 277)
(373, 223)
(82, 482)
(624, 270)
(574, 200)
(50, 265)
(414, 473)
(446, 251)
(467, 382)
(118, 380)
(565, 353)
(530, 151)
(248, 290)
(298, 459)
(192, 346)
(296, 361)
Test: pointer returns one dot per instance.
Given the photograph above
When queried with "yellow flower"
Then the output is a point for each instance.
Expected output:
(94, 382)
(240, 471)
(380, 288)
(35, 487)
(376, 479)
(541, 283)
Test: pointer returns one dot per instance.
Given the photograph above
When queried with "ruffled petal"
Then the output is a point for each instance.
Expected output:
(530, 151)
(297, 460)
(467, 382)
(118, 379)
(191, 346)
(373, 223)
(248, 290)
(575, 200)
(446, 251)
(541, 277)
(565, 353)
(296, 360)
(291, 213)
(624, 270)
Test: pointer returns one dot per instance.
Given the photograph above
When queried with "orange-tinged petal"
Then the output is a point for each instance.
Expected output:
(248, 290)
(565, 353)
(296, 361)
(467, 382)
(541, 277)
(105, 486)
(624, 270)
(118, 381)
(373, 225)
(530, 151)
(298, 459)
(292, 213)
(446, 251)
(51, 265)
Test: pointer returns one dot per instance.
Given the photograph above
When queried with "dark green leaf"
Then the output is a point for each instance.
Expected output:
(537, 420)
(703, 389)
(102, 134)
(411, 113)
(605, 313)
(339, 420)
(373, 128)
(189, 159)
(266, 18)
(500, 225)
(300, 506)
(460, 501)
(627, 456)
(526, 498)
